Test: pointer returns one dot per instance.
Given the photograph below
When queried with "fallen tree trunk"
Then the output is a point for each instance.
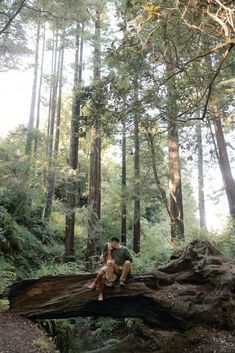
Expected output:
(197, 287)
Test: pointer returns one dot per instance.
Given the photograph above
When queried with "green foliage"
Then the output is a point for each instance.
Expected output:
(42, 343)
(226, 239)
(9, 240)
(21, 194)
(4, 305)
(223, 240)
(54, 268)
(107, 325)
(156, 248)
(7, 272)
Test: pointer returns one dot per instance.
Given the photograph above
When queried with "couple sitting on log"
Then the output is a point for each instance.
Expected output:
(116, 260)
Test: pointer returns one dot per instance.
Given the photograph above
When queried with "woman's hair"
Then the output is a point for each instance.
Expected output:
(105, 251)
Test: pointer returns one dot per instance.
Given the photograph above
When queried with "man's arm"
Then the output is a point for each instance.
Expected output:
(128, 255)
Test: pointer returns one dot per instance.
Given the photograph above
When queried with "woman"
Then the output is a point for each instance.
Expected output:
(101, 275)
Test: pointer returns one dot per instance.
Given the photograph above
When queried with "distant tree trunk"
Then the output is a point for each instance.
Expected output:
(53, 99)
(162, 191)
(33, 96)
(80, 69)
(51, 172)
(53, 57)
(201, 196)
(225, 168)
(59, 103)
(95, 154)
(123, 192)
(72, 188)
(39, 91)
(136, 234)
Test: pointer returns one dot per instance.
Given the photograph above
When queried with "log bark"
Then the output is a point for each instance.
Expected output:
(197, 287)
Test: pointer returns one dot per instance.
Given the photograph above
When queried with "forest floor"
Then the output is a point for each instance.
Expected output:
(20, 335)
(197, 340)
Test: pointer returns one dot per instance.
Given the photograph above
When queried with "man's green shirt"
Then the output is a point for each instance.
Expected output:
(121, 254)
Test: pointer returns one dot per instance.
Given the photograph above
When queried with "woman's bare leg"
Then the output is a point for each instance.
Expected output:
(98, 278)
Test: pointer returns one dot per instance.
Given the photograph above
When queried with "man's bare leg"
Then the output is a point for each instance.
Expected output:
(126, 269)
(110, 272)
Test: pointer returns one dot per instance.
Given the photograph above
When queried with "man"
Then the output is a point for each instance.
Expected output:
(120, 263)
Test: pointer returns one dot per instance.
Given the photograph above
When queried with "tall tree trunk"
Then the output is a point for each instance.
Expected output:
(39, 91)
(225, 168)
(136, 233)
(95, 154)
(123, 192)
(51, 172)
(53, 56)
(175, 187)
(53, 99)
(72, 189)
(33, 96)
(162, 191)
(59, 103)
(201, 196)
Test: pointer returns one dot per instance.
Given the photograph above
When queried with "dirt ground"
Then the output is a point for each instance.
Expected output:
(19, 335)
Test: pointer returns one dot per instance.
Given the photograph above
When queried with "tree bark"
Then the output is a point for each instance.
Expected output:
(53, 99)
(51, 172)
(53, 57)
(39, 92)
(175, 187)
(95, 154)
(162, 191)
(29, 141)
(195, 288)
(123, 191)
(59, 103)
(201, 196)
(72, 189)
(136, 234)
(225, 168)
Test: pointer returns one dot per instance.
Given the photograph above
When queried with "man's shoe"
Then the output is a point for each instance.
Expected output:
(122, 283)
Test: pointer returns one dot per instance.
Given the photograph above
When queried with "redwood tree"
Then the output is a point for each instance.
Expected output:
(34, 94)
(123, 192)
(95, 152)
(224, 164)
(201, 196)
(72, 185)
(175, 187)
